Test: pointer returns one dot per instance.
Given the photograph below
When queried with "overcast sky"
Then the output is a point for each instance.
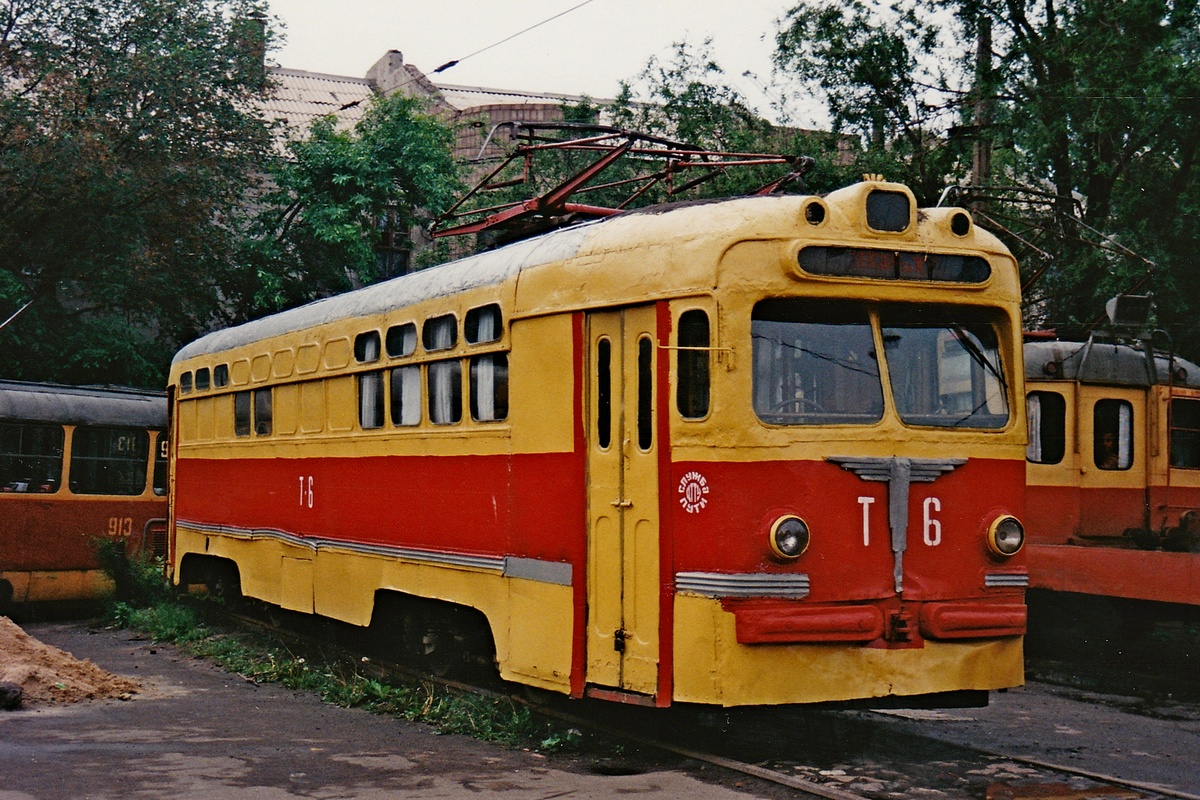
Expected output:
(586, 51)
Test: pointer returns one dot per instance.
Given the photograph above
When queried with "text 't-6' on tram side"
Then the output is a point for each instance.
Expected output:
(755, 451)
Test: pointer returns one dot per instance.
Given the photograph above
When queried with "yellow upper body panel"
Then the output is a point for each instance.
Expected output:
(637, 257)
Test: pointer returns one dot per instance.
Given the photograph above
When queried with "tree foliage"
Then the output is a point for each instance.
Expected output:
(128, 143)
(1093, 102)
(339, 193)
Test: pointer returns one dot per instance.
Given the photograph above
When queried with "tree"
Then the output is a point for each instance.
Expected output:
(1091, 102)
(129, 141)
(340, 194)
(867, 62)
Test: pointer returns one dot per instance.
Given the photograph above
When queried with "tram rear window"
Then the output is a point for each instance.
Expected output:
(893, 265)
(1047, 415)
(1185, 433)
(31, 456)
(109, 461)
(814, 364)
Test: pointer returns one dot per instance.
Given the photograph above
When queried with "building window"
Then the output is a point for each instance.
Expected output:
(1047, 415)
(691, 391)
(109, 461)
(1185, 433)
(406, 395)
(31, 457)
(1112, 434)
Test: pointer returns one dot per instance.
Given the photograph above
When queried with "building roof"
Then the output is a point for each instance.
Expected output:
(301, 97)
(465, 98)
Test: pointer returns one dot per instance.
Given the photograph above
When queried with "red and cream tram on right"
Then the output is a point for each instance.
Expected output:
(754, 451)
(1113, 503)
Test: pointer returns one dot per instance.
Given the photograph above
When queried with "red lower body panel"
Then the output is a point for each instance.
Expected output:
(1116, 572)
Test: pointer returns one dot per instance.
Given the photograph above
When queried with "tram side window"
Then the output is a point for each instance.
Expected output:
(185, 382)
(109, 460)
(1112, 434)
(692, 389)
(31, 457)
(262, 412)
(814, 364)
(645, 389)
(604, 393)
(489, 387)
(445, 392)
(202, 379)
(221, 375)
(440, 333)
(1047, 415)
(482, 325)
(370, 384)
(406, 395)
(1185, 433)
(241, 414)
(401, 340)
(159, 484)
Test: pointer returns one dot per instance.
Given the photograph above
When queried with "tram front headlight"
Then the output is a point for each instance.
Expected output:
(1006, 536)
(789, 537)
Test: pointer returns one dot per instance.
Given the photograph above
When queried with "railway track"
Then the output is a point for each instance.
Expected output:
(803, 753)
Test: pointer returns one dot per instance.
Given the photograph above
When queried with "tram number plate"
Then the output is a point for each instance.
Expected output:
(120, 526)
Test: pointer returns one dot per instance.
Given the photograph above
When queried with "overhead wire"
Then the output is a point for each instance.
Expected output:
(456, 61)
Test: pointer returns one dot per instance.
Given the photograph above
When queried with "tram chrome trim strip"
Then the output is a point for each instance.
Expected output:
(747, 584)
(1006, 579)
(554, 572)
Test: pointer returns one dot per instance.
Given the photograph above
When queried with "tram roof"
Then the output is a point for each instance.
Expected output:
(490, 268)
(82, 405)
(719, 221)
(1102, 362)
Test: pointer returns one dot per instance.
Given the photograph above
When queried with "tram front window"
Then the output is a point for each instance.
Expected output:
(945, 374)
(814, 364)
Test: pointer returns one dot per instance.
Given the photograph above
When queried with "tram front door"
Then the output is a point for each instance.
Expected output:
(623, 557)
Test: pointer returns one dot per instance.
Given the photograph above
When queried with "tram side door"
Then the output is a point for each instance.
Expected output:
(623, 557)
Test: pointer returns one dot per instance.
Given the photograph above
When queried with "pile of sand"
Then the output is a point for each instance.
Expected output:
(48, 675)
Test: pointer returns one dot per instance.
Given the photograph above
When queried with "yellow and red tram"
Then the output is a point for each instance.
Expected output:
(77, 464)
(755, 451)
(1113, 471)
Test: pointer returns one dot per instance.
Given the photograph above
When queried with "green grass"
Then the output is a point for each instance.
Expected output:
(263, 659)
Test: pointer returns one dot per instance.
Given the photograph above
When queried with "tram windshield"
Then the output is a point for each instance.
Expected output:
(815, 363)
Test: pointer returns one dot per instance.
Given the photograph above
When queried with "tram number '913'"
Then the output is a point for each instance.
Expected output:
(931, 527)
(120, 526)
(306, 491)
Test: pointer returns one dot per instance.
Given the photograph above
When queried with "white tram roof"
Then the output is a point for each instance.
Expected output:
(1102, 362)
(766, 216)
(490, 268)
(82, 405)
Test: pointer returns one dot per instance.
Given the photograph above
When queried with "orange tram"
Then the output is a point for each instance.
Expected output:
(753, 451)
(77, 465)
(1113, 471)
